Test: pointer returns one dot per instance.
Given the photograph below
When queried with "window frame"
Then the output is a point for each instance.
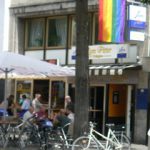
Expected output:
(27, 47)
(47, 32)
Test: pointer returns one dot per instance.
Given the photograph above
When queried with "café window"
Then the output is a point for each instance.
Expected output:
(35, 33)
(23, 87)
(41, 87)
(57, 94)
(57, 32)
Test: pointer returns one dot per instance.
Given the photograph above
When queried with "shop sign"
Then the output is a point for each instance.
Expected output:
(104, 51)
(108, 51)
(137, 17)
(142, 97)
(136, 36)
(122, 53)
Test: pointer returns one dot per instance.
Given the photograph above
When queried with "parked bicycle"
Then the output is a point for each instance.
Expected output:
(119, 131)
(92, 142)
(59, 139)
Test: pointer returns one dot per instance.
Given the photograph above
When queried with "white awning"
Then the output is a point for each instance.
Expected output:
(115, 69)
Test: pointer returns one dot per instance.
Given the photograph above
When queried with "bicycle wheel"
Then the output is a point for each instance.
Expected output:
(2, 137)
(28, 137)
(84, 143)
(55, 140)
(124, 141)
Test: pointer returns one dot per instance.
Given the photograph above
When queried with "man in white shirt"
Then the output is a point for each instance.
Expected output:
(25, 106)
(37, 105)
(28, 113)
(26, 103)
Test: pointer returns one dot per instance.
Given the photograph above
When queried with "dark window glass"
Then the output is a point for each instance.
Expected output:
(35, 31)
(57, 32)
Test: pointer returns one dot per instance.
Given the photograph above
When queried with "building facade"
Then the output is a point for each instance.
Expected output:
(118, 85)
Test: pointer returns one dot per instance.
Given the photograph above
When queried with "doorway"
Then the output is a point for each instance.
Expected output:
(41, 87)
(117, 103)
(96, 106)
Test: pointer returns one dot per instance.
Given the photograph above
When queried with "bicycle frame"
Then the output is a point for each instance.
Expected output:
(110, 138)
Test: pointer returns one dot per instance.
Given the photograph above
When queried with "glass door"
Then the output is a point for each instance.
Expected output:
(96, 105)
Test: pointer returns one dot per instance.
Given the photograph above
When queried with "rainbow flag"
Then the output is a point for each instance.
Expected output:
(111, 20)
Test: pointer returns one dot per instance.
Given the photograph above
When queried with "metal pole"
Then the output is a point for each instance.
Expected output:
(148, 110)
(6, 71)
(6, 79)
(5, 89)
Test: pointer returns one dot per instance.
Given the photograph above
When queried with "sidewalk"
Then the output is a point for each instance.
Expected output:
(133, 147)
(138, 147)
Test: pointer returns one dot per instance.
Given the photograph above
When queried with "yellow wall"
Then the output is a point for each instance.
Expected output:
(117, 110)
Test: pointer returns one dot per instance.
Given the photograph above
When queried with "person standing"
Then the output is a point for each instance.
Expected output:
(11, 105)
(7, 105)
(69, 104)
(25, 105)
(37, 105)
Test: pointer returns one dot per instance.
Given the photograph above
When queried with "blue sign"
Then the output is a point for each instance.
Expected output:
(137, 24)
(122, 55)
(142, 99)
(74, 57)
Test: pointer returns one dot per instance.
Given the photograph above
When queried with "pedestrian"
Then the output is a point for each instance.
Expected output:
(37, 105)
(69, 104)
(7, 106)
(25, 105)
(11, 105)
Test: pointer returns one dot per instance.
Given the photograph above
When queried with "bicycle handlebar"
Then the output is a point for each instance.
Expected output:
(92, 124)
(115, 127)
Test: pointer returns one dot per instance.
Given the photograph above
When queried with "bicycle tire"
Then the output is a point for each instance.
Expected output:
(27, 137)
(124, 141)
(2, 137)
(55, 140)
(82, 142)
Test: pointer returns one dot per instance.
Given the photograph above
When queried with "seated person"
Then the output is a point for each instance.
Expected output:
(28, 114)
(61, 119)
(70, 115)
(41, 113)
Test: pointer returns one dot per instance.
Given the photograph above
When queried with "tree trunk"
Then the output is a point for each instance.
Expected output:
(82, 70)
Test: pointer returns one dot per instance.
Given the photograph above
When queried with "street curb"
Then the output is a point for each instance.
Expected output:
(138, 147)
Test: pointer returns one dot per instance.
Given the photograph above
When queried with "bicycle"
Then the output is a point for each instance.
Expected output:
(59, 139)
(119, 131)
(91, 142)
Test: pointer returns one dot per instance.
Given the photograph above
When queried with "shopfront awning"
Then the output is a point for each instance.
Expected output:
(115, 69)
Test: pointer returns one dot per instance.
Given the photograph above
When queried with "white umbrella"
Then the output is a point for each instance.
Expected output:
(25, 66)
(14, 65)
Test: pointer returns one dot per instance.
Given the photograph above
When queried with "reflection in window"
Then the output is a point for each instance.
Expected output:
(35, 32)
(57, 32)
(96, 29)
(73, 32)
(57, 94)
